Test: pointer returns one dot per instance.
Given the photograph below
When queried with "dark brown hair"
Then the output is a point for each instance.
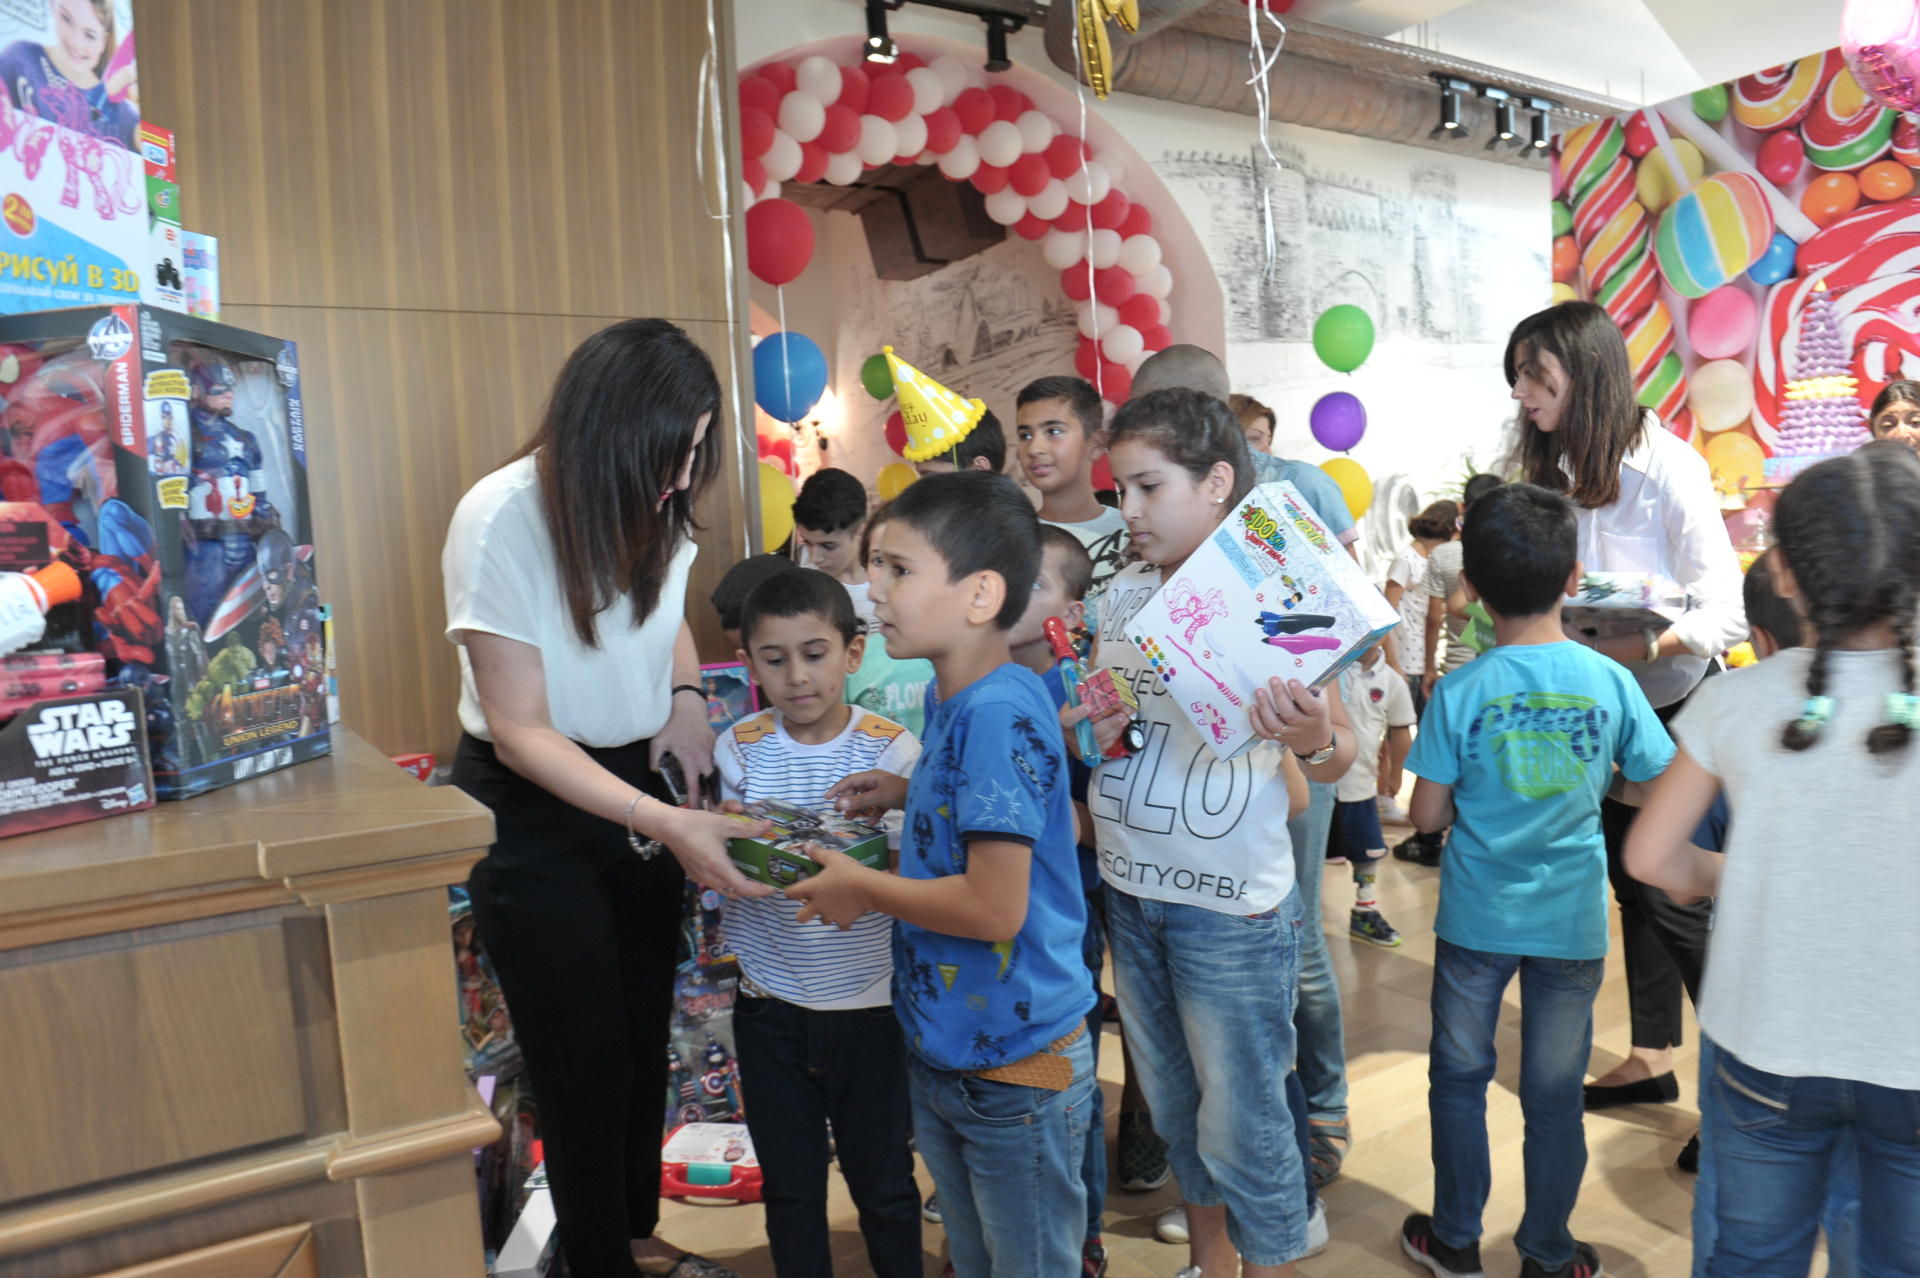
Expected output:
(1250, 410)
(1894, 393)
(1849, 531)
(619, 424)
(1076, 565)
(1192, 428)
(1436, 522)
(1077, 393)
(1600, 421)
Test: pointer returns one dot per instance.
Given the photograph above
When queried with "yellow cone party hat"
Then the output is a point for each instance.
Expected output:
(936, 418)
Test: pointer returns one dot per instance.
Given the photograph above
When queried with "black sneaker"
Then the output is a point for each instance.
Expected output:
(1585, 1264)
(1141, 1156)
(1418, 1241)
(1417, 851)
(1689, 1160)
(1093, 1259)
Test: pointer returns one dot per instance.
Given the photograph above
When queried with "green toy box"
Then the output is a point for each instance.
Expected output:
(779, 860)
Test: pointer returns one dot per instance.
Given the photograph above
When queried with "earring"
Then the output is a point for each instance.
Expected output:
(1218, 500)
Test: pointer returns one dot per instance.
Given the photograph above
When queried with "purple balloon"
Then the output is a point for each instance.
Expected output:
(1339, 420)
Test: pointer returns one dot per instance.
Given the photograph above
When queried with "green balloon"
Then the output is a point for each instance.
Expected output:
(875, 376)
(1710, 103)
(1562, 219)
(1343, 338)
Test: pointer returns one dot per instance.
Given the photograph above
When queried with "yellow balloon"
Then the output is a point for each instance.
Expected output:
(776, 507)
(894, 479)
(1737, 462)
(1564, 293)
(1355, 486)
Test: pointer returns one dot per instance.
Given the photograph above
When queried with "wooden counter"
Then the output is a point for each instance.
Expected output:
(232, 1046)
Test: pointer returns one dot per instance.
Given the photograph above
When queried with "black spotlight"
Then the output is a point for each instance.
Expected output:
(997, 28)
(1452, 123)
(1540, 136)
(1506, 120)
(880, 46)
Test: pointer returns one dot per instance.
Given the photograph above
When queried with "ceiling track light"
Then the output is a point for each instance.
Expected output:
(1452, 106)
(1506, 120)
(1542, 132)
(998, 25)
(879, 46)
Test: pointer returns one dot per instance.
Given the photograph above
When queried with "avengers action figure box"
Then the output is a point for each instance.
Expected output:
(173, 452)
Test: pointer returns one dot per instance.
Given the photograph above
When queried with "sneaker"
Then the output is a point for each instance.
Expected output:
(1418, 1241)
(1191, 1271)
(1093, 1259)
(1411, 849)
(1585, 1264)
(1171, 1227)
(1369, 924)
(1141, 1155)
(1318, 1235)
(1689, 1160)
(930, 1210)
(1391, 813)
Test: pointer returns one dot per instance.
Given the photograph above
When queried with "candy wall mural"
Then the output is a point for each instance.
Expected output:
(1759, 244)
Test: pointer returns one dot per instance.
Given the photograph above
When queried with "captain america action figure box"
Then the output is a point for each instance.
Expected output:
(172, 450)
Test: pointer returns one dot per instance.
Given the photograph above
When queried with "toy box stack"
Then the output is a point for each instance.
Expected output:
(1269, 595)
(172, 453)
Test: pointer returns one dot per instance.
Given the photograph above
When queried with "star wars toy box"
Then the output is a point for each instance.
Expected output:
(66, 759)
(780, 859)
(1271, 594)
(172, 451)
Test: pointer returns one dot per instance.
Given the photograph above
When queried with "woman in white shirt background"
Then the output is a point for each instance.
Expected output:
(1646, 503)
(566, 578)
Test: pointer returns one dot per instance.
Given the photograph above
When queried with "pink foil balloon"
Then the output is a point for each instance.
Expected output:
(1880, 40)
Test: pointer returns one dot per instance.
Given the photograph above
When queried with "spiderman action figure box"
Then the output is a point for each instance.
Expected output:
(172, 452)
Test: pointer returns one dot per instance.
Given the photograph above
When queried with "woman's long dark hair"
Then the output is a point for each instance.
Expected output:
(1849, 529)
(618, 426)
(1600, 422)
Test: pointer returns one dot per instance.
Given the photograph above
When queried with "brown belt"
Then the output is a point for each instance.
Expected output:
(1048, 1069)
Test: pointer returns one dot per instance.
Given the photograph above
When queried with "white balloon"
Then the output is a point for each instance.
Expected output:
(1061, 249)
(1006, 206)
(1105, 249)
(1051, 202)
(802, 116)
(1036, 130)
(819, 79)
(879, 140)
(1157, 282)
(1090, 185)
(748, 197)
(1166, 312)
(1133, 365)
(1140, 254)
(925, 157)
(963, 161)
(976, 76)
(953, 77)
(1115, 166)
(911, 133)
(770, 190)
(1097, 317)
(929, 90)
(783, 158)
(843, 169)
(1000, 144)
(1122, 343)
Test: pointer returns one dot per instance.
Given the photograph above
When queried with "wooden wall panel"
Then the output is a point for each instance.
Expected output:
(438, 199)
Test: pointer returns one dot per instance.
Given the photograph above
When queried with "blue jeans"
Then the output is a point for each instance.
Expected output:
(1093, 1163)
(1556, 1034)
(1775, 1149)
(1209, 1001)
(1006, 1162)
(1316, 1021)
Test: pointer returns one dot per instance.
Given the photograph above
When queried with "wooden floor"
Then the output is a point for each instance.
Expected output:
(1634, 1205)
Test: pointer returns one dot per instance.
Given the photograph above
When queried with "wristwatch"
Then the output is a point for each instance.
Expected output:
(1132, 740)
(1321, 755)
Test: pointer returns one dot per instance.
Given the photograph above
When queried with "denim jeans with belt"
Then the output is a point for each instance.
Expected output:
(1775, 1149)
(1556, 1035)
(1322, 1039)
(1208, 1000)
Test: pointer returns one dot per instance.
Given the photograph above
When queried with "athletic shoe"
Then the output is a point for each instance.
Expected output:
(1418, 1241)
(1191, 1271)
(1318, 1236)
(1141, 1155)
(1412, 849)
(1171, 1227)
(930, 1210)
(1391, 813)
(1370, 925)
(1689, 1160)
(1585, 1264)
(1093, 1259)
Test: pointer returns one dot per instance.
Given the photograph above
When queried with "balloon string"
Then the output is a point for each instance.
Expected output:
(1261, 62)
(1093, 298)
(708, 107)
(786, 350)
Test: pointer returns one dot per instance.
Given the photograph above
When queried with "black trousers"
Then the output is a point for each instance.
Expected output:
(801, 1069)
(582, 934)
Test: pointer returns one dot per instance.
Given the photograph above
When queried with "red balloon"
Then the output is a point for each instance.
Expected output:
(1065, 154)
(989, 178)
(1008, 102)
(1102, 474)
(853, 89)
(889, 96)
(813, 163)
(1782, 156)
(1115, 383)
(756, 132)
(1029, 175)
(1139, 221)
(1114, 285)
(841, 131)
(1031, 227)
(781, 75)
(906, 62)
(754, 174)
(943, 130)
(1141, 311)
(1157, 337)
(1086, 359)
(1640, 138)
(1074, 220)
(1109, 213)
(779, 241)
(975, 109)
(1074, 282)
(896, 432)
(757, 93)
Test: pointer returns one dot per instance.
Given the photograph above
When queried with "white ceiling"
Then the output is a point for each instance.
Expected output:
(1636, 50)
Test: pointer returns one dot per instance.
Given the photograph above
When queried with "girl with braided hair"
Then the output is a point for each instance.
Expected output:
(1809, 1017)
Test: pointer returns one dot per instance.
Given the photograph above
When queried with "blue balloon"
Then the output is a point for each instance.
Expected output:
(789, 375)
(1776, 263)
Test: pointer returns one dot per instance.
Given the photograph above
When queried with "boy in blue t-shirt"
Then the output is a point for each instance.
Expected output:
(1516, 751)
(989, 983)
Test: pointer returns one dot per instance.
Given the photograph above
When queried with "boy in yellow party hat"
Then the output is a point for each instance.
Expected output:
(944, 432)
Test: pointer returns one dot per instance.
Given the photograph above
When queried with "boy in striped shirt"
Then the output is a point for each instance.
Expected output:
(814, 1026)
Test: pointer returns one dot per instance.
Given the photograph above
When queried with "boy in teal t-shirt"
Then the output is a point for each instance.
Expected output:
(1516, 751)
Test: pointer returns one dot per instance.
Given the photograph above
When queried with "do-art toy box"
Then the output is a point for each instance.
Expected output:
(1270, 594)
(780, 859)
(172, 451)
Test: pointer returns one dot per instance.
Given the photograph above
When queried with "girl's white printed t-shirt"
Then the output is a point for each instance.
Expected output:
(1173, 822)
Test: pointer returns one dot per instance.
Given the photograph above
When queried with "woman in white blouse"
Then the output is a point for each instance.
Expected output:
(566, 582)
(1646, 503)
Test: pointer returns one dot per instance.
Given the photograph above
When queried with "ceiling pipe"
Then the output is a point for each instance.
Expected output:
(1195, 52)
